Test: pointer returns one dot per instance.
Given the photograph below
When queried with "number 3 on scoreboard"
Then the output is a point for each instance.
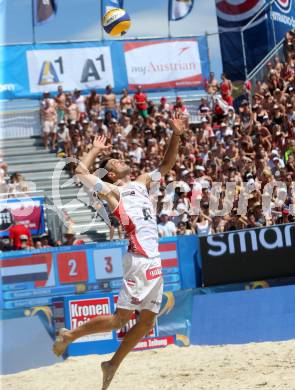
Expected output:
(108, 264)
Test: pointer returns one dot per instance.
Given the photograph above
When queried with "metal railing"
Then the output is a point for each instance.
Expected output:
(19, 118)
(259, 72)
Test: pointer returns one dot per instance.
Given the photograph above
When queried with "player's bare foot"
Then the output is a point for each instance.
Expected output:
(108, 372)
(62, 341)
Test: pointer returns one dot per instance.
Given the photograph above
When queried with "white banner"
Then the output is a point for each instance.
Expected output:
(81, 68)
(163, 64)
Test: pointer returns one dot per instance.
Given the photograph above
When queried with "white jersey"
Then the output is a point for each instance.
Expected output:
(136, 214)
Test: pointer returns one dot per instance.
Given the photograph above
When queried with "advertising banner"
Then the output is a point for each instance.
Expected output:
(81, 68)
(248, 255)
(27, 211)
(82, 308)
(30, 70)
(163, 64)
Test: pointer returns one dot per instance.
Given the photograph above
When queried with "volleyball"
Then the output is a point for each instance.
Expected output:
(116, 22)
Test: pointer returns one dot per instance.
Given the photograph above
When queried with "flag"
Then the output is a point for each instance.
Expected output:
(44, 9)
(37, 268)
(179, 9)
(168, 254)
(109, 4)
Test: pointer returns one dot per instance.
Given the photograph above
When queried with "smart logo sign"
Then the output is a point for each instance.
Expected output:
(82, 311)
(248, 255)
(81, 68)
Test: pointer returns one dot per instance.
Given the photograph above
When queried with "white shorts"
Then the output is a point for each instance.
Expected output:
(49, 127)
(142, 283)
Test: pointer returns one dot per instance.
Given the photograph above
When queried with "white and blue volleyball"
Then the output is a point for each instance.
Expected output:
(116, 22)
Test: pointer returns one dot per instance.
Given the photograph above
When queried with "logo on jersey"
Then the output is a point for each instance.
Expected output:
(284, 5)
(238, 14)
(128, 193)
(153, 273)
(135, 301)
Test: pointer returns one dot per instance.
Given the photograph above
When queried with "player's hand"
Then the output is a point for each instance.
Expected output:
(179, 123)
(100, 144)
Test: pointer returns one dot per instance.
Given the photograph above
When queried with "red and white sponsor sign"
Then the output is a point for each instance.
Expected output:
(84, 310)
(163, 64)
(154, 342)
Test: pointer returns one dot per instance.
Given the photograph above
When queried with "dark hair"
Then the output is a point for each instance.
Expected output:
(102, 165)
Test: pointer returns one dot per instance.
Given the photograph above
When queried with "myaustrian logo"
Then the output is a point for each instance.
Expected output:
(164, 67)
(269, 238)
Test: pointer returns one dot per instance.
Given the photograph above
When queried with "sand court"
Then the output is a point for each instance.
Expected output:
(268, 366)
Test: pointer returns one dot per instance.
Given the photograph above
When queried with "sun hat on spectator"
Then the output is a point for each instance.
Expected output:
(163, 212)
(184, 173)
(170, 179)
(99, 118)
(181, 208)
(274, 152)
(204, 120)
(222, 124)
(23, 237)
(228, 131)
(200, 168)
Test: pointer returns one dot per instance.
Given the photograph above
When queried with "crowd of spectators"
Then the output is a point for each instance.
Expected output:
(250, 140)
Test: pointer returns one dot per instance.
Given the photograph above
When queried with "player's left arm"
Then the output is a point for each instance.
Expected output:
(178, 124)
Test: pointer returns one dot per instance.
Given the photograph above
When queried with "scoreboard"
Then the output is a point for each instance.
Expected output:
(34, 278)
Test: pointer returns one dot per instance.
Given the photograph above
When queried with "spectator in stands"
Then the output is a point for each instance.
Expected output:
(226, 89)
(80, 102)
(17, 185)
(49, 120)
(15, 233)
(70, 238)
(126, 103)
(211, 86)
(93, 105)
(109, 102)
(60, 101)
(140, 100)
(166, 228)
(25, 243)
(44, 239)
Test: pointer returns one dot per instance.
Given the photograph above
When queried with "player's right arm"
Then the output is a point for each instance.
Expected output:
(93, 183)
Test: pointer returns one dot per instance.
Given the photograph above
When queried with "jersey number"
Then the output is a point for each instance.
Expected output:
(146, 214)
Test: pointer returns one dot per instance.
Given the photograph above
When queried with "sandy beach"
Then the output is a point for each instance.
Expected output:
(231, 367)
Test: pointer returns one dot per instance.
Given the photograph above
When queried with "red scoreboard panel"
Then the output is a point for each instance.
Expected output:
(72, 267)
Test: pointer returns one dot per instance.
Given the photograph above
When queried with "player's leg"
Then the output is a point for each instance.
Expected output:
(132, 337)
(96, 325)
(120, 232)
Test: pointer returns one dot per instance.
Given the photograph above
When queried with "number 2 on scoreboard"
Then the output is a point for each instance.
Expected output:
(108, 264)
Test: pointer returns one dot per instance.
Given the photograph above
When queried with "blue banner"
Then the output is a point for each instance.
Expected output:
(272, 21)
(29, 70)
